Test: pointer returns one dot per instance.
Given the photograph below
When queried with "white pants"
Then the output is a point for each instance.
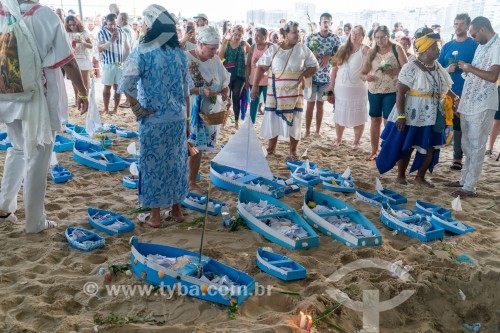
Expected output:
(475, 131)
(33, 171)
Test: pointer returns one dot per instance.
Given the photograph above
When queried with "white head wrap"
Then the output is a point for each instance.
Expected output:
(208, 35)
(153, 12)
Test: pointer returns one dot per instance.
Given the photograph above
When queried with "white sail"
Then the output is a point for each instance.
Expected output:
(456, 204)
(133, 169)
(346, 173)
(244, 151)
(304, 154)
(378, 185)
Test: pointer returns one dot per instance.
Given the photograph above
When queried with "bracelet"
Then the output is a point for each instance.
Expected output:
(83, 97)
(135, 107)
(402, 116)
(188, 118)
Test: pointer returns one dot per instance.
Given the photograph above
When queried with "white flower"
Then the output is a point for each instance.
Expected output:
(455, 53)
(383, 63)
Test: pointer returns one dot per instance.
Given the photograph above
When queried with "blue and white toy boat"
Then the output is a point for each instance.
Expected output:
(393, 198)
(450, 224)
(128, 161)
(123, 132)
(79, 133)
(62, 144)
(4, 141)
(109, 222)
(95, 157)
(197, 203)
(336, 183)
(130, 181)
(293, 165)
(290, 185)
(83, 239)
(305, 179)
(279, 266)
(428, 209)
(371, 199)
(275, 221)
(410, 223)
(233, 180)
(337, 219)
(173, 267)
(60, 174)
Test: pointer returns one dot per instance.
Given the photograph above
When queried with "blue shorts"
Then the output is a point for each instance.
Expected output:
(381, 104)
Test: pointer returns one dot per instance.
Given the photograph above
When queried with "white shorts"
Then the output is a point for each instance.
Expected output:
(111, 74)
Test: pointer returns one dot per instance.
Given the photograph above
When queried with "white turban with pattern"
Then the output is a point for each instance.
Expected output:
(208, 35)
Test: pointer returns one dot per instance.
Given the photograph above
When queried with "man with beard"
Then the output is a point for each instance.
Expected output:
(461, 48)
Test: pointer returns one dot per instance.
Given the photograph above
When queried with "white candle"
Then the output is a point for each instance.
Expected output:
(303, 320)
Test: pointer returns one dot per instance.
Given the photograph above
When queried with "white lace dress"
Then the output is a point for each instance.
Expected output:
(351, 93)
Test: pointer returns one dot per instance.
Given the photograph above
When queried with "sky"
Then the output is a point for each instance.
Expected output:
(233, 9)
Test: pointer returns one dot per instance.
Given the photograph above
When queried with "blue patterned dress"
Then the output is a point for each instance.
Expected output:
(158, 78)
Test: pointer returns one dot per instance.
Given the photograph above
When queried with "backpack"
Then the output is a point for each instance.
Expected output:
(18, 60)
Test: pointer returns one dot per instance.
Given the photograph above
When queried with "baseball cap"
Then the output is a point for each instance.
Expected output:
(202, 16)
(71, 12)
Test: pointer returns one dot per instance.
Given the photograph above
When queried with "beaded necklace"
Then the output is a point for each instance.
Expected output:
(436, 87)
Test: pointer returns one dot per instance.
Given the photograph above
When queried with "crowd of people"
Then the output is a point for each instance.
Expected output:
(173, 71)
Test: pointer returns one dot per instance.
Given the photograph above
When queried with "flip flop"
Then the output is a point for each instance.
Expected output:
(456, 166)
(463, 194)
(144, 218)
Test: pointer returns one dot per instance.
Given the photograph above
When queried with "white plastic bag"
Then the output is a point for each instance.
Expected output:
(93, 122)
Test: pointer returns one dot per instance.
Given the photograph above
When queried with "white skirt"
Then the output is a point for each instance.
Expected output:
(273, 126)
(85, 64)
(351, 105)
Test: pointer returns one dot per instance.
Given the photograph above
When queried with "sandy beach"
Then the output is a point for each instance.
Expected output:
(42, 278)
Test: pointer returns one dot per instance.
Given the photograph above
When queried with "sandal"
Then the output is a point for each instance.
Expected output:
(463, 194)
(488, 152)
(456, 166)
(167, 215)
(453, 184)
(144, 218)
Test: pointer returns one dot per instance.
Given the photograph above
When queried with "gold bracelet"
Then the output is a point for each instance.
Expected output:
(83, 98)
(402, 116)
(188, 118)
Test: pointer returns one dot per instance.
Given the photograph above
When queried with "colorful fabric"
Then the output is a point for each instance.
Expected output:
(208, 35)
(234, 61)
(204, 137)
(324, 46)
(383, 83)
(423, 43)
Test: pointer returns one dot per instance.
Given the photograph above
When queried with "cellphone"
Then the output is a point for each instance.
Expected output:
(189, 28)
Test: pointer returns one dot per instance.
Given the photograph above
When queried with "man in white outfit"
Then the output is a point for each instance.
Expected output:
(478, 104)
(28, 159)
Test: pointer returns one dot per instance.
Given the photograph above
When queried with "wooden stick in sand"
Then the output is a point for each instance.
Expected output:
(200, 267)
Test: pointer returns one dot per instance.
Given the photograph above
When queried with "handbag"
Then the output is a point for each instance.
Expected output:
(440, 124)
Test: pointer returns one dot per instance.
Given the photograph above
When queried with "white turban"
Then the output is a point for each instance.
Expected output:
(153, 12)
(208, 35)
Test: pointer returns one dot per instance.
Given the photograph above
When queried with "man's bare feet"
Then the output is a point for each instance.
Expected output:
(308, 134)
(105, 111)
(337, 143)
(371, 157)
(356, 146)
(423, 181)
(401, 180)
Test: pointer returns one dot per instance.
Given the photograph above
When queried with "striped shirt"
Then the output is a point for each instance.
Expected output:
(114, 54)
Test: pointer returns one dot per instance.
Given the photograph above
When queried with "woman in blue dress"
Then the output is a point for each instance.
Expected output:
(155, 81)
(417, 120)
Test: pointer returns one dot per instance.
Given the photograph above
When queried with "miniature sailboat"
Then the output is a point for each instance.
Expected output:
(62, 144)
(80, 133)
(132, 180)
(279, 266)
(339, 220)
(389, 196)
(338, 182)
(120, 131)
(59, 174)
(169, 266)
(275, 221)
(197, 202)
(95, 157)
(83, 239)
(109, 222)
(448, 223)
(230, 168)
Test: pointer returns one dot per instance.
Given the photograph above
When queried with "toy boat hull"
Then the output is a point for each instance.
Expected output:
(234, 185)
(83, 239)
(62, 144)
(318, 221)
(106, 221)
(339, 184)
(256, 222)
(79, 133)
(403, 227)
(93, 157)
(196, 202)
(374, 200)
(428, 209)
(305, 180)
(130, 182)
(60, 174)
(393, 198)
(4, 142)
(293, 165)
(450, 224)
(185, 278)
(279, 266)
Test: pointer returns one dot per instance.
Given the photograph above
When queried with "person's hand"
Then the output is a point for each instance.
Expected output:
(302, 82)
(451, 68)
(83, 103)
(247, 84)
(224, 96)
(370, 78)
(209, 92)
(464, 66)
(254, 93)
(114, 36)
(227, 36)
(331, 99)
(401, 124)
(316, 54)
(324, 61)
